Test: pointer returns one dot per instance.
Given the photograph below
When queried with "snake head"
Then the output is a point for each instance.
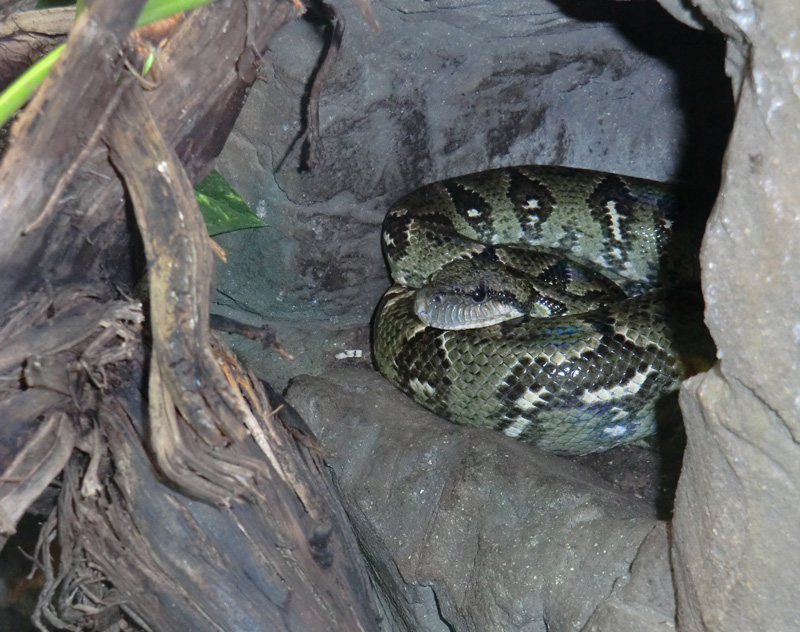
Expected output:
(468, 294)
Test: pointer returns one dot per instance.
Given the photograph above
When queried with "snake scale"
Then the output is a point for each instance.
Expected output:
(576, 369)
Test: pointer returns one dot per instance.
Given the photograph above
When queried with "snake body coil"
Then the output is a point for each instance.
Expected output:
(575, 382)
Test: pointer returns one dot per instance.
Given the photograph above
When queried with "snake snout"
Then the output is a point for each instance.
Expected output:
(454, 309)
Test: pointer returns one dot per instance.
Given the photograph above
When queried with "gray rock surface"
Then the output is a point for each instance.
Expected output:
(737, 542)
(445, 88)
(493, 533)
(465, 530)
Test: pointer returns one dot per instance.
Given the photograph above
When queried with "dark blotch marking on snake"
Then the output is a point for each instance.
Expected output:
(532, 201)
(573, 384)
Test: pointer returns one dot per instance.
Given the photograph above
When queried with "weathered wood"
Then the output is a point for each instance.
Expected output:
(187, 389)
(44, 154)
(42, 324)
(38, 431)
(194, 507)
(206, 68)
(27, 36)
(281, 562)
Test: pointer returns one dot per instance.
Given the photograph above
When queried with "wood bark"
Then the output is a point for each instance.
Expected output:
(185, 501)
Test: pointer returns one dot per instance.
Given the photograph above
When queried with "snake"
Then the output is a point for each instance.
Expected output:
(559, 306)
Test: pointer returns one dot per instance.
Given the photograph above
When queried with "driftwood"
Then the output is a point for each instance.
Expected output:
(185, 502)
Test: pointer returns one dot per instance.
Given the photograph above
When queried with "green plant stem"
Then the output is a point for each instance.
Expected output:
(20, 91)
(15, 96)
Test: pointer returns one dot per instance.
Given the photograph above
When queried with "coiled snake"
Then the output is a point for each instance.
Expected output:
(592, 354)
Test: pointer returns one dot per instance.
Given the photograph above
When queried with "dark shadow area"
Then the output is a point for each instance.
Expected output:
(19, 585)
(706, 100)
(698, 59)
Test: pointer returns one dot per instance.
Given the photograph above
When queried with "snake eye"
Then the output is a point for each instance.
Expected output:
(478, 295)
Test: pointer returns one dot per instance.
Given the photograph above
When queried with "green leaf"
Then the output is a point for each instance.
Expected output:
(223, 209)
(49, 4)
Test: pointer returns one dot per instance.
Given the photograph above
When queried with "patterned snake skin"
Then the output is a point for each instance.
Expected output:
(569, 384)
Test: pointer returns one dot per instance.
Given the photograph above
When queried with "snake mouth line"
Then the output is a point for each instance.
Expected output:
(453, 313)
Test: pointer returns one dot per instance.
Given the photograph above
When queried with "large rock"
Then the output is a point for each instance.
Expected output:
(737, 542)
(464, 529)
(468, 529)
